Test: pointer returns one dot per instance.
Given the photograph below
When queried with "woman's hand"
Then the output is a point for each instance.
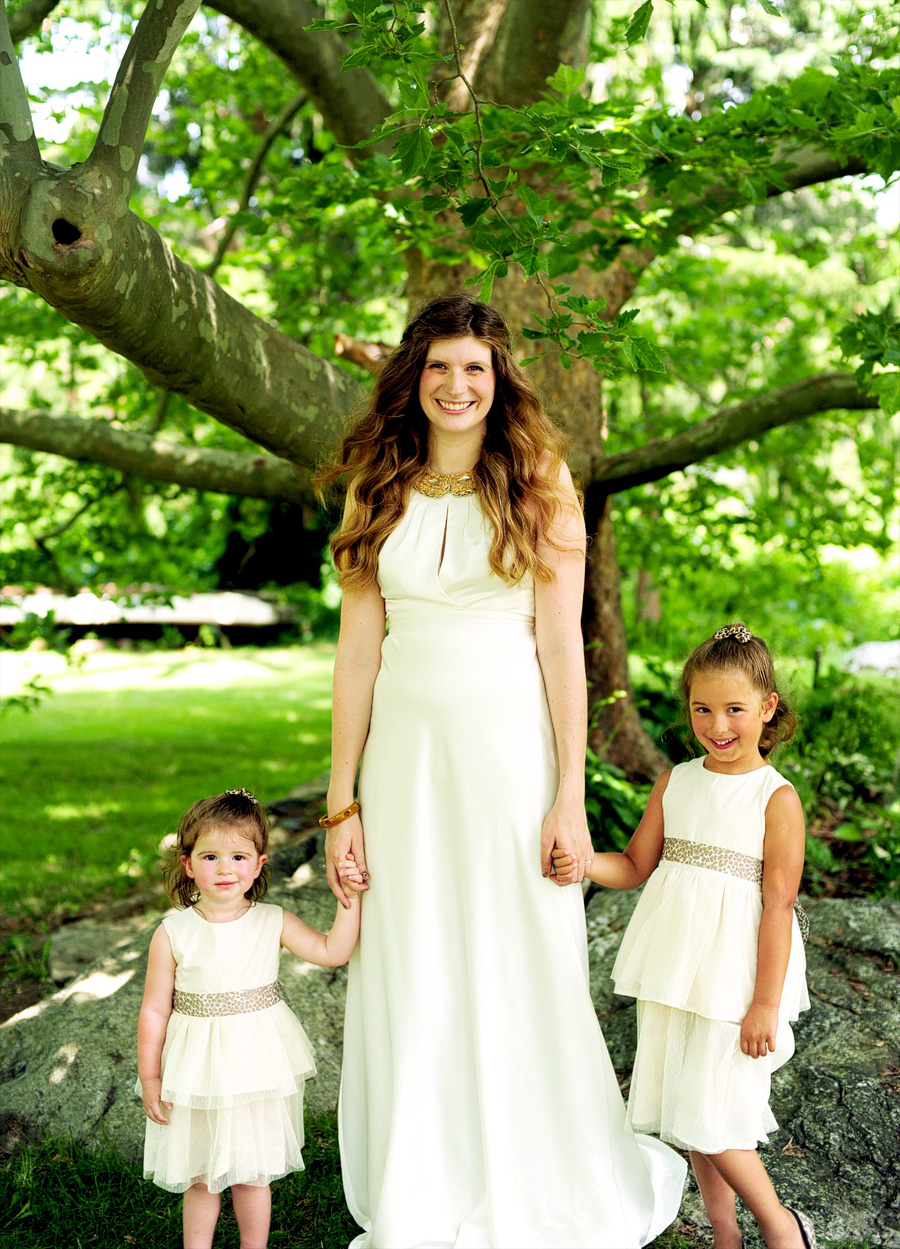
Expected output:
(565, 832)
(343, 841)
(758, 1030)
(151, 1091)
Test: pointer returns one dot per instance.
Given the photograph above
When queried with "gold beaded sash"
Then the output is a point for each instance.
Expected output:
(732, 862)
(235, 1002)
(715, 858)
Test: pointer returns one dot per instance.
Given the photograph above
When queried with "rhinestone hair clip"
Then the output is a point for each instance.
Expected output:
(739, 632)
(241, 793)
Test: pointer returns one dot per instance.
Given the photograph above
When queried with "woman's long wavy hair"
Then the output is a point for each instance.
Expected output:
(386, 448)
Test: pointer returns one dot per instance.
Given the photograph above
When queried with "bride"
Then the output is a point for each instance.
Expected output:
(479, 1107)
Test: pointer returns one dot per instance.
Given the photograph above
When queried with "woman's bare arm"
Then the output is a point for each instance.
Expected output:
(356, 665)
(560, 649)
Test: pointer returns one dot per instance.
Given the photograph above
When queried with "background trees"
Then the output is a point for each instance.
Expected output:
(328, 163)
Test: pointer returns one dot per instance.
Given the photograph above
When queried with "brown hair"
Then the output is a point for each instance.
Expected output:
(735, 647)
(236, 811)
(386, 449)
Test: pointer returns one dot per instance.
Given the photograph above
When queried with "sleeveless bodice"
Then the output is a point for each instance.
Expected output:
(436, 558)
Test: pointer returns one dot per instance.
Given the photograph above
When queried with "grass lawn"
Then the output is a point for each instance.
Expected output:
(56, 1195)
(98, 772)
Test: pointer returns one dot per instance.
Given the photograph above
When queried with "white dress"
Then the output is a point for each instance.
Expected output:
(235, 1076)
(479, 1107)
(689, 956)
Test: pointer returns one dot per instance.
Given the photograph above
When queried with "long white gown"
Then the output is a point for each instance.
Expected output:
(479, 1108)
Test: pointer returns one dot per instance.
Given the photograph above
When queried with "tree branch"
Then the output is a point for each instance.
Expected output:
(368, 355)
(729, 428)
(16, 126)
(351, 101)
(810, 165)
(119, 280)
(124, 125)
(27, 20)
(197, 468)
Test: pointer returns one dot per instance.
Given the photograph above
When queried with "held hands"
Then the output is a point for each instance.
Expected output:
(758, 1031)
(153, 1107)
(350, 876)
(344, 843)
(566, 843)
(565, 865)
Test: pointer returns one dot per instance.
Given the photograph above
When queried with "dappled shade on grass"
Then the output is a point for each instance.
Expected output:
(102, 769)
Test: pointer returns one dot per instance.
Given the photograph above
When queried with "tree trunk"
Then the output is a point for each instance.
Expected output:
(617, 734)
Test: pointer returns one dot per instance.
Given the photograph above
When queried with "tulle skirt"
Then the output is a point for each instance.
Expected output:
(693, 1087)
(251, 1143)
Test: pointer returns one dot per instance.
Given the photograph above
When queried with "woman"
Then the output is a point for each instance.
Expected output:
(479, 1107)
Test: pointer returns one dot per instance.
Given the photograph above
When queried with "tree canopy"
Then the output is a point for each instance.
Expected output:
(674, 205)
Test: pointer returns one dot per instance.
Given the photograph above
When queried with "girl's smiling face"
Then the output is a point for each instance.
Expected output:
(456, 386)
(727, 717)
(223, 864)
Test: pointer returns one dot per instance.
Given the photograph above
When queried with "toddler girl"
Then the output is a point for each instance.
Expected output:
(713, 952)
(222, 1060)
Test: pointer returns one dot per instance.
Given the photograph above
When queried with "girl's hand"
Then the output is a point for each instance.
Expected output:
(565, 830)
(344, 841)
(758, 1031)
(350, 876)
(564, 865)
(150, 1095)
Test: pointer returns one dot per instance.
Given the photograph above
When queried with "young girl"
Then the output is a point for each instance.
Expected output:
(713, 952)
(222, 1060)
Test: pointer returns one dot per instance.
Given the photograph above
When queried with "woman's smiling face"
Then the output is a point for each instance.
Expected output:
(456, 386)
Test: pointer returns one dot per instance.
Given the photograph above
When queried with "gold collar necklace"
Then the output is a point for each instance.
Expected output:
(436, 485)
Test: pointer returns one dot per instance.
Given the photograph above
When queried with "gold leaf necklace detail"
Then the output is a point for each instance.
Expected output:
(435, 485)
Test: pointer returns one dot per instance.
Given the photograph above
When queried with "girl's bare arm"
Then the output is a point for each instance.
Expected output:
(639, 858)
(783, 853)
(153, 1019)
(326, 949)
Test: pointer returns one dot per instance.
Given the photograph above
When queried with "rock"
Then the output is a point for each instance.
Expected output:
(838, 1099)
(68, 1066)
(73, 947)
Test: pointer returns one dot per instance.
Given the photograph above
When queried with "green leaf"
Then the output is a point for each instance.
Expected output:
(770, 8)
(567, 80)
(534, 205)
(472, 209)
(413, 150)
(641, 355)
(639, 24)
(887, 387)
(534, 335)
(847, 832)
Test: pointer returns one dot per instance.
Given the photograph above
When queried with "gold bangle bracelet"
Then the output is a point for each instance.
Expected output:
(329, 821)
